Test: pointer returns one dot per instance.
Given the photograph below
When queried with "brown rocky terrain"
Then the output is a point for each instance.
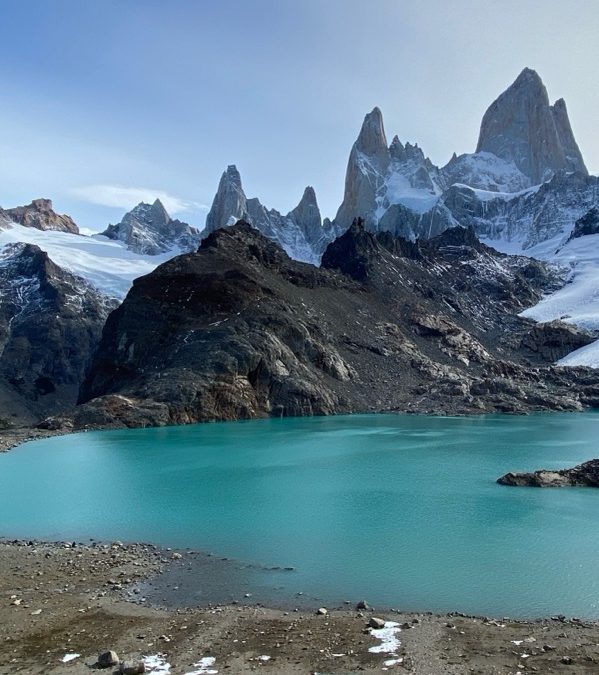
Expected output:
(41, 215)
(239, 330)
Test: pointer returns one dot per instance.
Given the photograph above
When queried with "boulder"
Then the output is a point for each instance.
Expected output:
(108, 659)
(375, 622)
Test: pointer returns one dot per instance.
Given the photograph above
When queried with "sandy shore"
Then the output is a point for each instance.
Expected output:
(60, 599)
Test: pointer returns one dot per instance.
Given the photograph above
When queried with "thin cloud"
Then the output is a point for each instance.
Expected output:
(123, 197)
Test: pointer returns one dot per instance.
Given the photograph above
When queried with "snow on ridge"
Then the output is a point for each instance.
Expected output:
(106, 264)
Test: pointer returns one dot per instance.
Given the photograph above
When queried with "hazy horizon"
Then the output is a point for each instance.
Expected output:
(108, 104)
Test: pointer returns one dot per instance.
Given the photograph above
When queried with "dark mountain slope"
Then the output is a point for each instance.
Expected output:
(239, 330)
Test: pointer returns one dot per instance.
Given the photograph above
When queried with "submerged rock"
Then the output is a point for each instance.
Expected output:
(585, 475)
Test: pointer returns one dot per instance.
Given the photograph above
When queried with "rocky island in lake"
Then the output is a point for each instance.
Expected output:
(583, 475)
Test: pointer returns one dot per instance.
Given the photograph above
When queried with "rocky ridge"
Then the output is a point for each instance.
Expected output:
(149, 230)
(239, 330)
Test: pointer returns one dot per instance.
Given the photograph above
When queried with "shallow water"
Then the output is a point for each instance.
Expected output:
(401, 510)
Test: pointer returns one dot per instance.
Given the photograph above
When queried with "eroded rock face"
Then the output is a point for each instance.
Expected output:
(583, 475)
(40, 215)
(238, 330)
(522, 127)
(149, 230)
(554, 339)
(50, 324)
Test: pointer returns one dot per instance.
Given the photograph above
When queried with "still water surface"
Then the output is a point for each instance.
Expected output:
(401, 510)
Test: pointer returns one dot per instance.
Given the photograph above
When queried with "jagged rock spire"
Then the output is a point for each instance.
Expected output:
(230, 202)
(521, 126)
(371, 140)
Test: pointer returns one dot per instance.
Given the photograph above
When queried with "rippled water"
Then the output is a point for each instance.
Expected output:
(401, 510)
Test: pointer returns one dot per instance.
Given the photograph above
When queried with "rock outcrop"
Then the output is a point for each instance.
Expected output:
(50, 325)
(522, 127)
(40, 215)
(587, 224)
(301, 233)
(583, 475)
(149, 230)
(238, 330)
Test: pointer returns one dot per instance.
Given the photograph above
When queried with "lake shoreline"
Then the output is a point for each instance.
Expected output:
(60, 599)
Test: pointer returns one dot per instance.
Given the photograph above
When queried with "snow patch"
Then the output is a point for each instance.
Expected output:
(204, 666)
(157, 664)
(388, 637)
(70, 657)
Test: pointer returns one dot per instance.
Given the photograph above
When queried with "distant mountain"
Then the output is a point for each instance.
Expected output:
(301, 233)
(525, 184)
(149, 230)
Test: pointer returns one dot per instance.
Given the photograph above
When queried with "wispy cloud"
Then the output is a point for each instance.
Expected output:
(120, 196)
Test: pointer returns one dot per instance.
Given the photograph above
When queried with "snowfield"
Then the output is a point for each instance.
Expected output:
(108, 265)
(578, 301)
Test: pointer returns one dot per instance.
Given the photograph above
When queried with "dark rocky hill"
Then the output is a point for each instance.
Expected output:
(50, 323)
(239, 330)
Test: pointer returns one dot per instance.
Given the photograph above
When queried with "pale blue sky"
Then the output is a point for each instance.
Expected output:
(111, 101)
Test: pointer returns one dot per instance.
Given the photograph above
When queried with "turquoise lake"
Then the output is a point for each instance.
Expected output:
(400, 510)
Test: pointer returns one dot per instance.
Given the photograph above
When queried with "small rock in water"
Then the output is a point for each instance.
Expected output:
(322, 611)
(108, 659)
(375, 622)
(363, 605)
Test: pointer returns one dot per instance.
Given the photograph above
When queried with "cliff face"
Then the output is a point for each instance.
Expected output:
(239, 330)
(521, 126)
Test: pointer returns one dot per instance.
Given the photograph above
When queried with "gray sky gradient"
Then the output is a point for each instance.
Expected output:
(113, 101)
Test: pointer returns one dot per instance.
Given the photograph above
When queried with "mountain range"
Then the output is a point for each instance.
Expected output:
(524, 191)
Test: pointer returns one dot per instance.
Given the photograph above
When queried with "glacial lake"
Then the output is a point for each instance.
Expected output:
(402, 511)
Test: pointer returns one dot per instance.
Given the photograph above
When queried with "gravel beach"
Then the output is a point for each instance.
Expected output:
(58, 600)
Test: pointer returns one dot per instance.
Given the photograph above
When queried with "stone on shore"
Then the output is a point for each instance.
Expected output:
(375, 622)
(108, 659)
